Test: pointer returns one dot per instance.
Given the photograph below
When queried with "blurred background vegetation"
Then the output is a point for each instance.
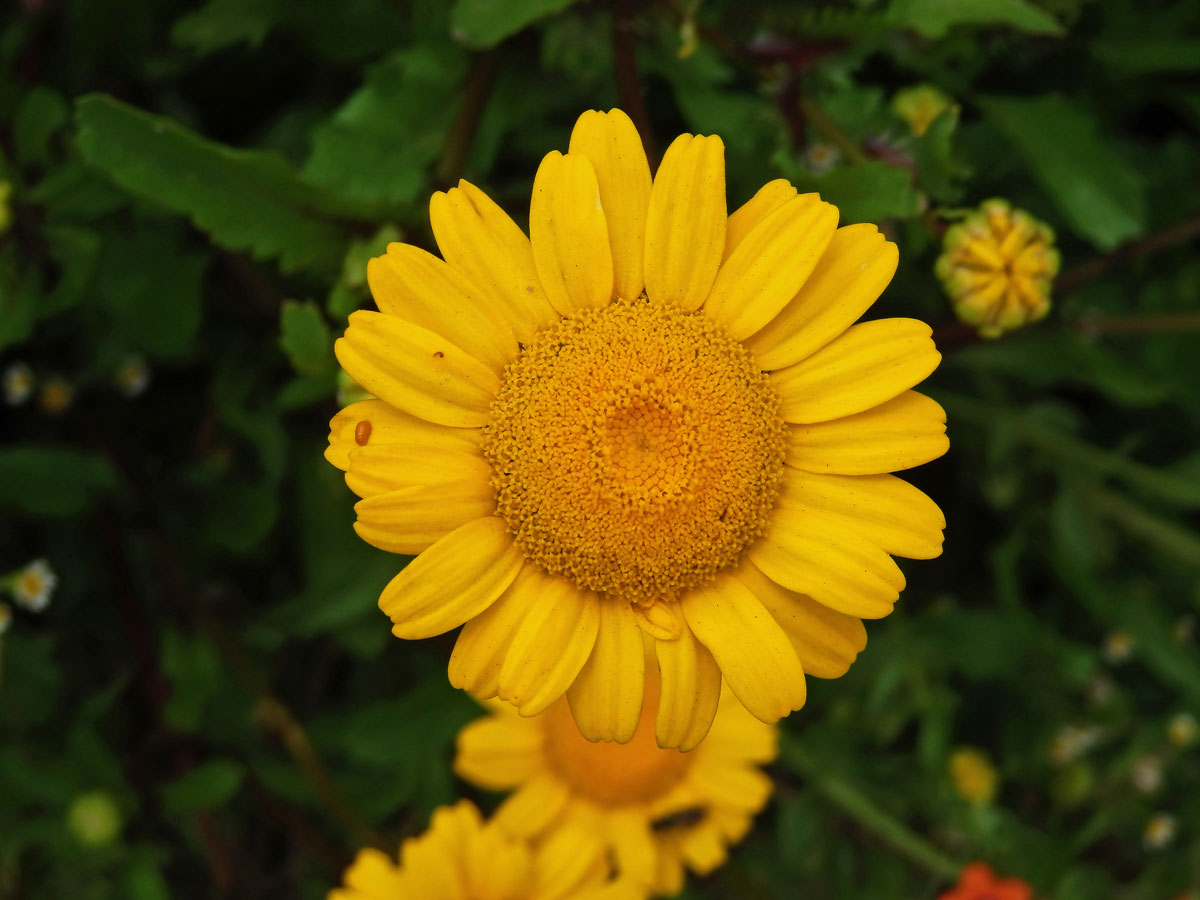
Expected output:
(212, 705)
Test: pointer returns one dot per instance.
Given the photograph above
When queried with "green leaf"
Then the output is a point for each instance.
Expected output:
(52, 482)
(933, 152)
(224, 23)
(1147, 56)
(19, 296)
(378, 146)
(207, 786)
(482, 23)
(305, 338)
(863, 192)
(192, 664)
(244, 199)
(933, 18)
(143, 878)
(1101, 195)
(41, 114)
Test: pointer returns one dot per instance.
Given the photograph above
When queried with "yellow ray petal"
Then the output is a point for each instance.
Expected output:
(497, 867)
(431, 861)
(567, 861)
(812, 554)
(550, 647)
(890, 513)
(484, 641)
(769, 265)
(769, 198)
(416, 370)
(415, 285)
(570, 235)
(411, 519)
(703, 849)
(756, 658)
(826, 641)
(738, 736)
(661, 619)
(733, 788)
(691, 689)
(685, 224)
(635, 847)
(611, 142)
(378, 468)
(869, 364)
(458, 577)
(606, 698)
(907, 431)
(373, 874)
(534, 806)
(479, 239)
(855, 268)
(387, 425)
(499, 753)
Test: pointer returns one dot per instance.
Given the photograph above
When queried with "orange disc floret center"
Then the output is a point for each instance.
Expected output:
(609, 773)
(635, 449)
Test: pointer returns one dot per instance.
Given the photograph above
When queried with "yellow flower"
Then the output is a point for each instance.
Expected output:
(33, 586)
(974, 776)
(460, 857)
(1159, 831)
(997, 267)
(658, 810)
(650, 417)
(56, 396)
(919, 106)
(1182, 730)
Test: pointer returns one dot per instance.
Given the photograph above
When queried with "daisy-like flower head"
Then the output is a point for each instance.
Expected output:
(18, 383)
(658, 810)
(1182, 730)
(647, 417)
(919, 105)
(461, 858)
(997, 267)
(1159, 831)
(33, 586)
(132, 376)
(973, 775)
(977, 881)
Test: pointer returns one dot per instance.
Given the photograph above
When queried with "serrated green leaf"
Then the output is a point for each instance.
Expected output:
(1099, 193)
(243, 199)
(482, 23)
(933, 18)
(305, 338)
(378, 146)
(863, 192)
(207, 786)
(52, 482)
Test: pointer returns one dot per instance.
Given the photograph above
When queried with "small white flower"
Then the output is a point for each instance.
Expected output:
(18, 384)
(1147, 774)
(33, 586)
(1072, 742)
(1118, 647)
(132, 376)
(1182, 729)
(820, 157)
(1159, 831)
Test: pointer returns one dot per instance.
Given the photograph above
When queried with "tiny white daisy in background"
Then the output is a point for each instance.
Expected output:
(1147, 774)
(56, 396)
(33, 586)
(1073, 742)
(820, 157)
(1118, 647)
(18, 384)
(5, 616)
(1159, 831)
(1182, 729)
(132, 376)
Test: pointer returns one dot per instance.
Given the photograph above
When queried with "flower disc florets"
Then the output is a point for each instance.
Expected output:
(635, 449)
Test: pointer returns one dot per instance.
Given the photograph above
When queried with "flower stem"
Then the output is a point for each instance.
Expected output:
(858, 806)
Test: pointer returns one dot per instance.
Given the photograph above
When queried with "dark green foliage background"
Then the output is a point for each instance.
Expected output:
(201, 184)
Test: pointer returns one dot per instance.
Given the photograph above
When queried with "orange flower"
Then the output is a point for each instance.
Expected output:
(978, 882)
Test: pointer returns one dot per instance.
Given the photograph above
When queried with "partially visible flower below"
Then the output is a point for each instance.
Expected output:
(1159, 831)
(33, 586)
(1146, 773)
(94, 818)
(132, 376)
(1074, 741)
(18, 384)
(997, 267)
(1118, 647)
(461, 857)
(648, 417)
(56, 396)
(657, 810)
(5, 616)
(1182, 730)
(974, 777)
(978, 882)
(919, 106)
(820, 157)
